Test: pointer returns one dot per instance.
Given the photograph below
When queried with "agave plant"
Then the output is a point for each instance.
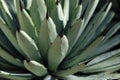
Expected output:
(58, 40)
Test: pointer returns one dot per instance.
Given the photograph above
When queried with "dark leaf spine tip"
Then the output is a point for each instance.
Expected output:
(80, 1)
(62, 33)
(18, 30)
(17, 25)
(57, 1)
(82, 16)
(107, 6)
(27, 59)
(47, 15)
(21, 5)
(15, 22)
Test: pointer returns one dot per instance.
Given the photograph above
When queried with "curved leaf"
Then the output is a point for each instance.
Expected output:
(35, 67)
(28, 45)
(58, 50)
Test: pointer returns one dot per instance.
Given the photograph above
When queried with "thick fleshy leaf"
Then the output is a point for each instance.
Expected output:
(34, 13)
(89, 34)
(98, 20)
(94, 77)
(55, 17)
(35, 67)
(5, 55)
(47, 35)
(60, 12)
(50, 5)
(8, 33)
(6, 14)
(77, 13)
(69, 71)
(28, 46)
(49, 77)
(4, 65)
(112, 31)
(90, 10)
(73, 5)
(84, 3)
(58, 50)
(66, 11)
(84, 55)
(42, 9)
(104, 23)
(104, 65)
(61, 15)
(29, 3)
(74, 9)
(103, 57)
(15, 76)
(74, 32)
(103, 47)
(25, 20)
(58, 38)
(107, 45)
(6, 44)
